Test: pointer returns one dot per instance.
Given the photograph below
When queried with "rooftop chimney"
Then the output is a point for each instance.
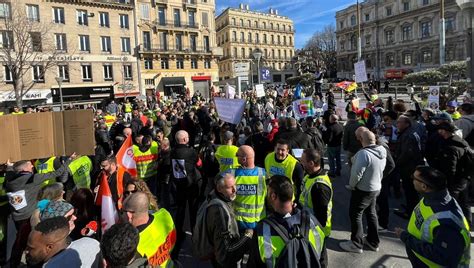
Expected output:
(270, 11)
(247, 7)
(276, 12)
(241, 6)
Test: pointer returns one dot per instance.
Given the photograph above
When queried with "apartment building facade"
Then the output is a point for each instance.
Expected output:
(177, 46)
(398, 36)
(241, 31)
(86, 45)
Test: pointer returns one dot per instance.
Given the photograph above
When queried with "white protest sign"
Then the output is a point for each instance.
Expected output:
(230, 110)
(360, 71)
(260, 90)
(341, 109)
(433, 98)
(229, 91)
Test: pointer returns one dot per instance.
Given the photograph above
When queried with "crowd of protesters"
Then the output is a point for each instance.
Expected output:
(250, 199)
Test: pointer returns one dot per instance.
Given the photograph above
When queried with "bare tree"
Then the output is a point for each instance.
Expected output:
(26, 44)
(323, 49)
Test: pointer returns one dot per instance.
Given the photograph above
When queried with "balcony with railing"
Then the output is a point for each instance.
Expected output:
(167, 24)
(165, 49)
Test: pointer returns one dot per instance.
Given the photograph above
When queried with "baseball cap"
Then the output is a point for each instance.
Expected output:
(452, 104)
(51, 209)
(443, 116)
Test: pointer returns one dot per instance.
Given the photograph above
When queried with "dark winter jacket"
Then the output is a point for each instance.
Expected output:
(408, 152)
(184, 154)
(349, 140)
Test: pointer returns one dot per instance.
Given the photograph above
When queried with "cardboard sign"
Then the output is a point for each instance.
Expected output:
(304, 108)
(230, 110)
(260, 90)
(360, 72)
(42, 135)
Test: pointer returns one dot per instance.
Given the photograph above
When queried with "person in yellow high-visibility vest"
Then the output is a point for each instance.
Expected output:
(157, 230)
(438, 233)
(226, 153)
(317, 194)
(46, 165)
(280, 162)
(109, 120)
(17, 110)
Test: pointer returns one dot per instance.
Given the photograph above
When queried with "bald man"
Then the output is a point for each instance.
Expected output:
(157, 230)
(365, 183)
(249, 203)
(184, 185)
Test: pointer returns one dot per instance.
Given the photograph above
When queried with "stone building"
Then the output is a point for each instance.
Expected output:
(398, 36)
(240, 31)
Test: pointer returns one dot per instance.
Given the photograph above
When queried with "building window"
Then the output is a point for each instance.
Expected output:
(7, 74)
(104, 19)
(149, 82)
(58, 15)
(353, 42)
(242, 22)
(271, 25)
(426, 2)
(389, 36)
(32, 12)
(205, 19)
(127, 72)
(426, 57)
(353, 20)
(194, 63)
(450, 24)
(425, 29)
(272, 39)
(148, 62)
(165, 63)
(123, 21)
(406, 32)
(367, 17)
(177, 17)
(450, 55)
(61, 43)
(180, 63)
(82, 18)
(206, 43)
(207, 64)
(341, 45)
(256, 24)
(106, 44)
(388, 11)
(146, 41)
(145, 11)
(84, 44)
(191, 18)
(36, 41)
(233, 21)
(367, 39)
(264, 38)
(161, 16)
(108, 72)
(163, 41)
(341, 24)
(63, 72)
(257, 38)
(389, 60)
(38, 73)
(242, 38)
(406, 6)
(407, 59)
(5, 10)
(86, 72)
(6, 39)
(242, 52)
(125, 44)
(249, 38)
(179, 42)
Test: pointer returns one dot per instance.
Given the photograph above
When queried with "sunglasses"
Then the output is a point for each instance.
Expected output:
(130, 192)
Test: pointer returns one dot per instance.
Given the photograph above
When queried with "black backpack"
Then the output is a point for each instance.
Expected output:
(298, 251)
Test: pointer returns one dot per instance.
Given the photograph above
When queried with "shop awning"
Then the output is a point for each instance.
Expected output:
(201, 78)
(173, 81)
(129, 94)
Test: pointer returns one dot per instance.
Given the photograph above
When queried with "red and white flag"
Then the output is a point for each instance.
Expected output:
(125, 157)
(109, 215)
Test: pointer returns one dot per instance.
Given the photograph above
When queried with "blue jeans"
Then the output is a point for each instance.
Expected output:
(334, 158)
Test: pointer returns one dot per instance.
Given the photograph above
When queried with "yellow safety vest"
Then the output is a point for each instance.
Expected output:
(109, 120)
(147, 164)
(158, 240)
(45, 167)
(456, 115)
(81, 169)
(18, 112)
(424, 220)
(2, 113)
(285, 168)
(270, 246)
(3, 192)
(249, 204)
(226, 156)
(128, 107)
(306, 200)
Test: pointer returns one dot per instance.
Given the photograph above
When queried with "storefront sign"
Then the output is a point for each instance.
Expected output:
(30, 95)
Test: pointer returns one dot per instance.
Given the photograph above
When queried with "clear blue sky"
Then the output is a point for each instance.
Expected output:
(309, 16)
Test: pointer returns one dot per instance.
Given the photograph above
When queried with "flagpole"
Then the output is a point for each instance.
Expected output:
(359, 39)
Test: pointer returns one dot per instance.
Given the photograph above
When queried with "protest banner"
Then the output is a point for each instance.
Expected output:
(230, 110)
(360, 72)
(303, 108)
(341, 109)
(433, 98)
(41, 135)
(260, 90)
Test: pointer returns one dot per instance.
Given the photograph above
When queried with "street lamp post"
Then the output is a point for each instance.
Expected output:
(467, 6)
(442, 36)
(257, 54)
(60, 83)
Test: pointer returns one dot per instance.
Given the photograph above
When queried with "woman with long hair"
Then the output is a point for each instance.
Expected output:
(83, 201)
